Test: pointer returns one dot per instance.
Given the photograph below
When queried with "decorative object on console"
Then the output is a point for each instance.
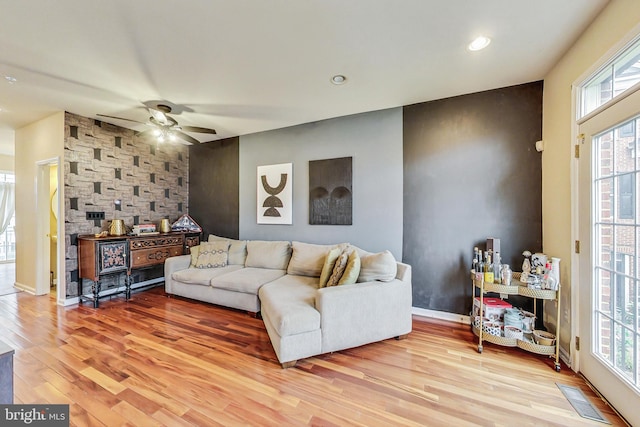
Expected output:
(186, 223)
(117, 228)
(275, 203)
(164, 225)
(330, 191)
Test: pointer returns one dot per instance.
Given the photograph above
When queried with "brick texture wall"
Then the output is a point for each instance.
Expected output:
(103, 164)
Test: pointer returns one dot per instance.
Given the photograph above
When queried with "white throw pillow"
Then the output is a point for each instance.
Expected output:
(381, 266)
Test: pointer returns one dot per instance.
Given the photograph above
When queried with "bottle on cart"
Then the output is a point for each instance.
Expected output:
(497, 267)
(474, 263)
(488, 271)
(480, 269)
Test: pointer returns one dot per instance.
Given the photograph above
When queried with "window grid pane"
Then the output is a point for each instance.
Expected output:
(618, 76)
(617, 245)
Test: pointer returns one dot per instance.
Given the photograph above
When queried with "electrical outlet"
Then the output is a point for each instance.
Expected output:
(95, 215)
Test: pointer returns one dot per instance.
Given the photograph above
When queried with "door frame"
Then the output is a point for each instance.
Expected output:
(43, 214)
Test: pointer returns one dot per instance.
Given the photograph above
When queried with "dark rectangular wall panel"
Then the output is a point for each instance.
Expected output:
(471, 171)
(214, 188)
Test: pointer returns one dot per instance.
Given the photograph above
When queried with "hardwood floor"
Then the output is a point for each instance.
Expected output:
(168, 361)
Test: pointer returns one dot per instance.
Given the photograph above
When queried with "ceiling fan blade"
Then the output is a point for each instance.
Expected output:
(186, 137)
(197, 129)
(120, 118)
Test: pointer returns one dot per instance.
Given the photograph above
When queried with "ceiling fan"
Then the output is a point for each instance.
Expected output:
(165, 127)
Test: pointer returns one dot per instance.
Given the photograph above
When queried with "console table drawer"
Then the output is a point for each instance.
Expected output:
(153, 256)
(139, 243)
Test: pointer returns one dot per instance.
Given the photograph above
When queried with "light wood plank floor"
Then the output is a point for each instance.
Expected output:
(169, 361)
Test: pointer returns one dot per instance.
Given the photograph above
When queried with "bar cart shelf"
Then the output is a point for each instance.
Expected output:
(516, 288)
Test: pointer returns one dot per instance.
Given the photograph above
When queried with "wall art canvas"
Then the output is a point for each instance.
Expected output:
(275, 194)
(330, 191)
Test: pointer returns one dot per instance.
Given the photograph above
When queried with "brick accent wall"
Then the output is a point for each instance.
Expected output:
(104, 163)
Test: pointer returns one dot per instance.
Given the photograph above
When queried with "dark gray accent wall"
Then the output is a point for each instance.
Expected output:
(373, 140)
(213, 187)
(471, 171)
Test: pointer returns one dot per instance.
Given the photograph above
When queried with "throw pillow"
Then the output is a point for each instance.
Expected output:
(352, 269)
(381, 266)
(237, 249)
(213, 254)
(194, 251)
(338, 269)
(327, 267)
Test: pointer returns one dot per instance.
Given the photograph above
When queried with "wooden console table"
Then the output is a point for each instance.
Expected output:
(102, 256)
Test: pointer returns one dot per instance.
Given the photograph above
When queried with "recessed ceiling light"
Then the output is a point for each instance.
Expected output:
(10, 79)
(479, 43)
(338, 79)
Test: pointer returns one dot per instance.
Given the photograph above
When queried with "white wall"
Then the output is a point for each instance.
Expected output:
(614, 22)
(38, 141)
(373, 140)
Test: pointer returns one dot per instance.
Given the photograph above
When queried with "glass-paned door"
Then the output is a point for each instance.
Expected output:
(609, 262)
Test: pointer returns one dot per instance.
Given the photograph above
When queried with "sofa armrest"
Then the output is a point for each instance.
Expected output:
(353, 315)
(171, 265)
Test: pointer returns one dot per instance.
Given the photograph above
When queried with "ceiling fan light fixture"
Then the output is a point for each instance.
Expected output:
(172, 137)
(479, 43)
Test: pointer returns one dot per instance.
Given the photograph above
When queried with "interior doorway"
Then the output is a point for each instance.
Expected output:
(49, 231)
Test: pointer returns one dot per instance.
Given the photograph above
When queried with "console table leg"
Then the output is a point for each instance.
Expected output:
(96, 291)
(127, 285)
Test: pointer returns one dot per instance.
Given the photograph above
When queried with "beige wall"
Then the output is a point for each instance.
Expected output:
(6, 163)
(38, 141)
(612, 25)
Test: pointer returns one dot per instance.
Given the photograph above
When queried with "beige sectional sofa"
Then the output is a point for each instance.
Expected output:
(282, 281)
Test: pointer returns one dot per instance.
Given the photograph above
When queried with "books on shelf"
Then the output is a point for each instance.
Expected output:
(146, 229)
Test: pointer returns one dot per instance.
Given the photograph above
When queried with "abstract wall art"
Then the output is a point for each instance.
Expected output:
(275, 193)
(330, 191)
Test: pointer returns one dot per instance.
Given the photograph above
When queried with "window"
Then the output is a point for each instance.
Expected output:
(8, 237)
(620, 74)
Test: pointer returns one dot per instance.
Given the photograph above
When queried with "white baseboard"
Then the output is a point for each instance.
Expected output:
(69, 301)
(25, 288)
(441, 315)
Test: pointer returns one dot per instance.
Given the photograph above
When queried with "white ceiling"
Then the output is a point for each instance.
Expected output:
(244, 66)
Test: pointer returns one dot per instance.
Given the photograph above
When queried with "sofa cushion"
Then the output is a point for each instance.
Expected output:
(307, 259)
(268, 254)
(352, 270)
(202, 276)
(381, 266)
(289, 304)
(338, 269)
(237, 249)
(247, 280)
(213, 254)
(327, 267)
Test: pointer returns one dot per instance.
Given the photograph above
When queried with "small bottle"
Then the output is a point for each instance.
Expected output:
(474, 263)
(488, 271)
(506, 274)
(496, 267)
(480, 270)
